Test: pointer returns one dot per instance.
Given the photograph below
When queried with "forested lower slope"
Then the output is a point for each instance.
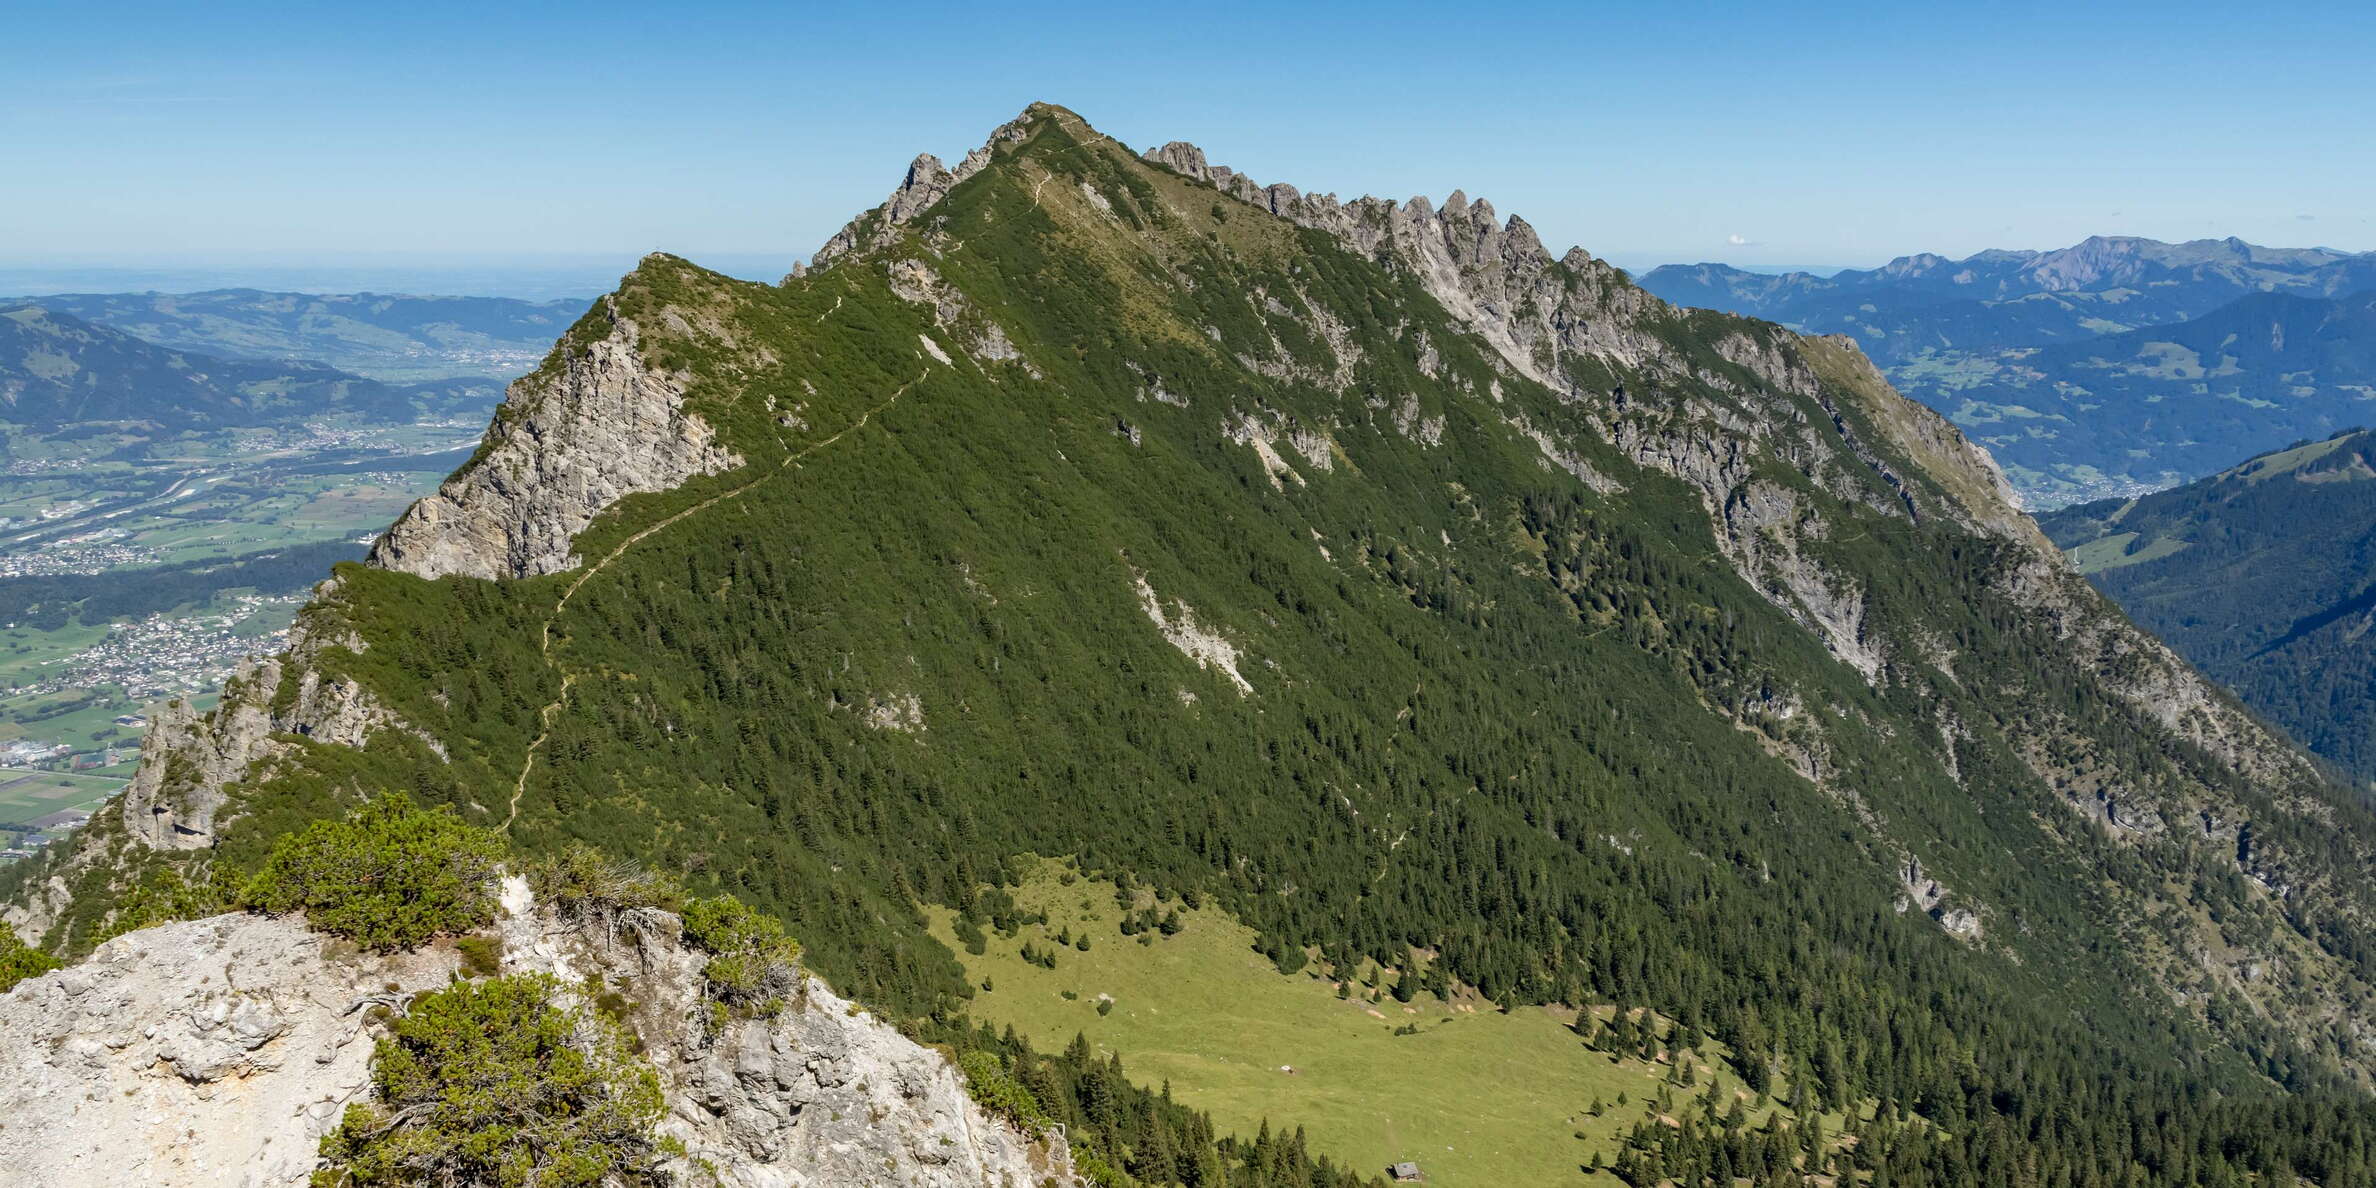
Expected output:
(2264, 575)
(1415, 596)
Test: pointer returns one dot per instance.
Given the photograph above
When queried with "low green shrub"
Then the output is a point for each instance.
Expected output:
(750, 966)
(496, 1083)
(389, 876)
(19, 960)
(997, 1091)
(164, 893)
(482, 956)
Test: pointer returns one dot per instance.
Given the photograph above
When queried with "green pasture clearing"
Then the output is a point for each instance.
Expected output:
(2113, 552)
(80, 718)
(1476, 1096)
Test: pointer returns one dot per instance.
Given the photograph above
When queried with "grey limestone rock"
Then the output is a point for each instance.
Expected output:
(569, 444)
(219, 1051)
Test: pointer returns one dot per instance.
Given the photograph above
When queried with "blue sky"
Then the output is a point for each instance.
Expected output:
(436, 134)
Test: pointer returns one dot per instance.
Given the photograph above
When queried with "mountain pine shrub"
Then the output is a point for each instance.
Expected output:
(19, 960)
(750, 965)
(388, 877)
(585, 885)
(499, 1083)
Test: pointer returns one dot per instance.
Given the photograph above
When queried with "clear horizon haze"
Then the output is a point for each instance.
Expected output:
(546, 146)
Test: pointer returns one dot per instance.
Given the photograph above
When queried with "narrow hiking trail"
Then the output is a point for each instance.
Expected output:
(544, 643)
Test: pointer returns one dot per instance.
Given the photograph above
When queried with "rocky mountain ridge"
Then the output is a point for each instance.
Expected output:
(1530, 591)
(608, 424)
(220, 1051)
(1499, 280)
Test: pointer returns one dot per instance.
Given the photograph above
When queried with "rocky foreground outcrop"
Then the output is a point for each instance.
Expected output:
(219, 1051)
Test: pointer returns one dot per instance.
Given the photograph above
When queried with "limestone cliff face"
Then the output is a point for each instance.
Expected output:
(190, 760)
(823, 1093)
(567, 444)
(218, 1052)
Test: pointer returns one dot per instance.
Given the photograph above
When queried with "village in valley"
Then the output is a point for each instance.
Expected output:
(117, 594)
(74, 716)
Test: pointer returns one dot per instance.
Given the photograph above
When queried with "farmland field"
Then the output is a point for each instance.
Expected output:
(27, 795)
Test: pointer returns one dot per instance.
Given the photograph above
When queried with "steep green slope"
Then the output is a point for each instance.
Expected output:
(1418, 598)
(2262, 576)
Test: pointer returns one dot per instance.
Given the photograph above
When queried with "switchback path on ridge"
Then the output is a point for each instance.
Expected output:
(544, 643)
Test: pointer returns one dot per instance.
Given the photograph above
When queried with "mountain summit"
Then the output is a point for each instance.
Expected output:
(1466, 624)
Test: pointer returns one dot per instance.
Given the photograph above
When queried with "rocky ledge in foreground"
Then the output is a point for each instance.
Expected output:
(220, 1051)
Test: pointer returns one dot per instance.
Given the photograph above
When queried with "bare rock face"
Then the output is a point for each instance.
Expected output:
(1494, 276)
(1182, 157)
(218, 1052)
(822, 1093)
(191, 760)
(926, 183)
(209, 1052)
(973, 332)
(566, 446)
(200, 754)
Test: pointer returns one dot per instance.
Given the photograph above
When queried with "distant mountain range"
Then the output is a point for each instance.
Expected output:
(2169, 403)
(57, 370)
(2264, 575)
(377, 335)
(2112, 366)
(2105, 284)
